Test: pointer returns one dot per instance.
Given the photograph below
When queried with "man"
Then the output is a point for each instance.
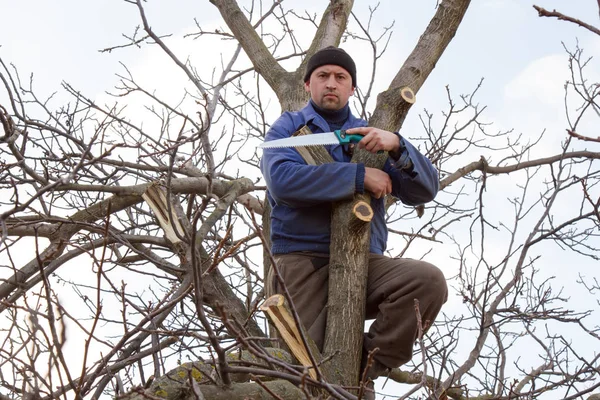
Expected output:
(301, 198)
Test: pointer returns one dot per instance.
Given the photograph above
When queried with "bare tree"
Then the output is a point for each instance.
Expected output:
(133, 235)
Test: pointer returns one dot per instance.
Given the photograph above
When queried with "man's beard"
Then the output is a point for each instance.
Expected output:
(330, 102)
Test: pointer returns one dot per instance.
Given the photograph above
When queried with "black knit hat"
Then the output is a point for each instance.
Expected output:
(331, 55)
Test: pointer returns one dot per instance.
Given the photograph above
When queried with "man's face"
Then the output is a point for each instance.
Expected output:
(330, 87)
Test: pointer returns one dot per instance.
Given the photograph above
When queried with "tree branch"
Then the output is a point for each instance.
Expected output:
(330, 29)
(390, 111)
(542, 12)
(482, 165)
(260, 56)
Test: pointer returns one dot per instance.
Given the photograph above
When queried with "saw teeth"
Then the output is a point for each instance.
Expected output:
(303, 145)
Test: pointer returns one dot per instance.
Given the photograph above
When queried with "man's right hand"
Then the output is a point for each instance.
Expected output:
(377, 182)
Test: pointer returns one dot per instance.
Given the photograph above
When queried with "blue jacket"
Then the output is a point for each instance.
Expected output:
(301, 195)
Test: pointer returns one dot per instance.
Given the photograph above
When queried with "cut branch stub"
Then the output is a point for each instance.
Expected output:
(156, 198)
(276, 308)
(408, 95)
(362, 213)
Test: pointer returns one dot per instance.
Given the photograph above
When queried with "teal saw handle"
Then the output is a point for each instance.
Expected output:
(347, 138)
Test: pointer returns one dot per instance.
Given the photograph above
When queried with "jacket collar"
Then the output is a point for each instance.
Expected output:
(311, 116)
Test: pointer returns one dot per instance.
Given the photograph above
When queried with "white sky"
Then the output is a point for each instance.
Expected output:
(520, 55)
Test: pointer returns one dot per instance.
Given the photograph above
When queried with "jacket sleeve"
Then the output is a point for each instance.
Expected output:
(294, 183)
(415, 180)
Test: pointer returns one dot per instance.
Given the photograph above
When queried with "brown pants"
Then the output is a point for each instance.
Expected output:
(392, 286)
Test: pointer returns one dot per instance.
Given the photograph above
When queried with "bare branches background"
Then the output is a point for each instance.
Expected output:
(99, 299)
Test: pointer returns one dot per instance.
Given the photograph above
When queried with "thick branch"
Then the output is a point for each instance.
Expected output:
(330, 30)
(262, 59)
(178, 186)
(391, 109)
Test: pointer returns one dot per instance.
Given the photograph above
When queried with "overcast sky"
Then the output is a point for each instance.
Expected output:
(520, 56)
(499, 39)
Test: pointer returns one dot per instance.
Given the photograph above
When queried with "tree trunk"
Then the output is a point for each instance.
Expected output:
(349, 244)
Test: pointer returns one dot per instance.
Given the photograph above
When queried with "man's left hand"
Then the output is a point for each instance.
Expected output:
(376, 139)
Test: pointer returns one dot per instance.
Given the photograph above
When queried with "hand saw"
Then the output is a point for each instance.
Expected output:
(315, 139)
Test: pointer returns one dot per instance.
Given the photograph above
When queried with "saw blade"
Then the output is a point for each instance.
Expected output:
(316, 139)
